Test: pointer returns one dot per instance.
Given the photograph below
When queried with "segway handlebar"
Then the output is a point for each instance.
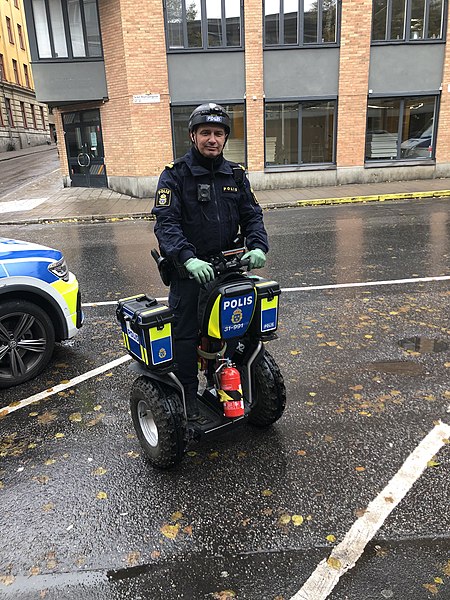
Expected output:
(229, 260)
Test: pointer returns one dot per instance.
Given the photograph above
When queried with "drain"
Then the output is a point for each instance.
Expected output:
(423, 345)
(397, 367)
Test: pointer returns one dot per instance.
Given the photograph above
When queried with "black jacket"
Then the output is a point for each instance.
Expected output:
(200, 205)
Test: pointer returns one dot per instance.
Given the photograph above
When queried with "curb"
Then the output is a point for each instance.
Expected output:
(264, 206)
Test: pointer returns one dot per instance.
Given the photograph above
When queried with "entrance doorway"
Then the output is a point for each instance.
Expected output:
(84, 146)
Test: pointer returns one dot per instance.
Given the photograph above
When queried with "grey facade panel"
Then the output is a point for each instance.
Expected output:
(301, 73)
(406, 68)
(69, 81)
(196, 78)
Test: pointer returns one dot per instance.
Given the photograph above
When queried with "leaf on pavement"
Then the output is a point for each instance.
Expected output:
(266, 493)
(102, 496)
(46, 417)
(75, 417)
(284, 519)
(176, 516)
(431, 587)
(360, 469)
(224, 595)
(331, 538)
(95, 421)
(334, 563)
(7, 579)
(99, 471)
(170, 531)
(295, 352)
(446, 569)
(133, 558)
(297, 520)
(433, 463)
(58, 436)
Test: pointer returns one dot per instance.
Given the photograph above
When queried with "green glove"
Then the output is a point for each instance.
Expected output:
(257, 258)
(200, 270)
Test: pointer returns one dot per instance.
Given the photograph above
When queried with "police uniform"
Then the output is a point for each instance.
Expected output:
(200, 206)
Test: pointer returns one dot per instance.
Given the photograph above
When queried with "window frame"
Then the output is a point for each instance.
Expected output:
(15, 66)
(2, 68)
(20, 35)
(42, 117)
(300, 28)
(9, 113)
(204, 29)
(33, 116)
(24, 115)
(381, 162)
(407, 26)
(305, 166)
(239, 102)
(67, 35)
(26, 75)
(10, 31)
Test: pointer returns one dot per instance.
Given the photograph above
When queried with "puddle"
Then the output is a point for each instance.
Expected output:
(397, 367)
(423, 345)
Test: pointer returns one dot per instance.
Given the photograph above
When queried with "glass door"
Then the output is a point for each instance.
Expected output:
(84, 145)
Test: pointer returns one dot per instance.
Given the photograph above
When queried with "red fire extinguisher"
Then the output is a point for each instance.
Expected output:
(230, 391)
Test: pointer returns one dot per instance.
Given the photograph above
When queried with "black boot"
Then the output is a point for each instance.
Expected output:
(193, 412)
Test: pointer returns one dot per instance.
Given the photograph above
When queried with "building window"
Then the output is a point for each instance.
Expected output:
(401, 128)
(16, 3)
(235, 147)
(16, 72)
(2, 68)
(10, 33)
(300, 22)
(67, 30)
(27, 76)
(24, 116)
(299, 133)
(9, 112)
(21, 40)
(33, 116)
(42, 117)
(408, 20)
(203, 24)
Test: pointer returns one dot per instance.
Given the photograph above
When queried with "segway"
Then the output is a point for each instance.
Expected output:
(238, 314)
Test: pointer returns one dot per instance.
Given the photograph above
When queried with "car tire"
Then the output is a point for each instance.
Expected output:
(27, 339)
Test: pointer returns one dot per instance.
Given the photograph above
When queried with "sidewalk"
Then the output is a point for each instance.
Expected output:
(47, 201)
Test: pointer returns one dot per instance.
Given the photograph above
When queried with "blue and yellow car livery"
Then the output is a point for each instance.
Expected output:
(40, 274)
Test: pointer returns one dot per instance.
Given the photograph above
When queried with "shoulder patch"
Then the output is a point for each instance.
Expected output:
(169, 166)
(255, 199)
(163, 197)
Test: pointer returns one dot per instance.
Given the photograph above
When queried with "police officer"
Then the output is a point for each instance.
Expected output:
(201, 202)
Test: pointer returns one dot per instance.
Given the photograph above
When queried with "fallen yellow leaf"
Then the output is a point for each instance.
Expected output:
(266, 493)
(334, 563)
(58, 436)
(99, 471)
(431, 587)
(284, 519)
(331, 538)
(170, 531)
(360, 469)
(433, 463)
(7, 579)
(297, 520)
(176, 516)
(102, 496)
(438, 580)
(75, 417)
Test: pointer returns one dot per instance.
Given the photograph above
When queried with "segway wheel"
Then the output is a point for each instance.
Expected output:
(269, 393)
(159, 422)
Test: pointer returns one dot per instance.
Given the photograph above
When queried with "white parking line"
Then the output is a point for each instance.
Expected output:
(332, 286)
(64, 386)
(345, 555)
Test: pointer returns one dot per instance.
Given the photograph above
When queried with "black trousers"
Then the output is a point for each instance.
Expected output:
(183, 301)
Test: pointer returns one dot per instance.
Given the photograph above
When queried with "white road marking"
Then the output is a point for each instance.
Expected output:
(345, 555)
(20, 205)
(320, 287)
(63, 386)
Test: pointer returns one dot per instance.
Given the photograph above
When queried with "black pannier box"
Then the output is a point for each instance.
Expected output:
(147, 330)
(265, 319)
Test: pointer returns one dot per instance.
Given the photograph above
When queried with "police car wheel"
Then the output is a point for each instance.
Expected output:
(27, 339)
(269, 393)
(159, 422)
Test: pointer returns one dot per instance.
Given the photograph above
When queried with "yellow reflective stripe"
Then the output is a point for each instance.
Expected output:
(126, 343)
(266, 303)
(264, 283)
(69, 291)
(131, 298)
(144, 355)
(153, 310)
(214, 324)
(157, 334)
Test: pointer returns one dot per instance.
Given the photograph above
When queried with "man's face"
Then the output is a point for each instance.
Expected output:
(210, 140)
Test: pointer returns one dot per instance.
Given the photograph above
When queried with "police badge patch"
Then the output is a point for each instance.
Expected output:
(163, 197)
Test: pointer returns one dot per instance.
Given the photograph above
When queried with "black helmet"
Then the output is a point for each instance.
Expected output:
(210, 113)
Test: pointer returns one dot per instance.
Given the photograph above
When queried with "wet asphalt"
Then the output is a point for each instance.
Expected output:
(367, 376)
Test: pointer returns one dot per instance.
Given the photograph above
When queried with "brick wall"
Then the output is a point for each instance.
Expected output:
(137, 137)
(254, 84)
(354, 62)
(442, 142)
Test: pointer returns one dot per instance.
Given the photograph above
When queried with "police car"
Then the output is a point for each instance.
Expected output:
(40, 303)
